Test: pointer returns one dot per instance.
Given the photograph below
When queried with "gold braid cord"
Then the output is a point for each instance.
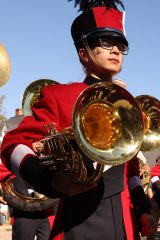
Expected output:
(145, 175)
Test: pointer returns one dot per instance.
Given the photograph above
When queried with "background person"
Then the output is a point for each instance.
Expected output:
(26, 224)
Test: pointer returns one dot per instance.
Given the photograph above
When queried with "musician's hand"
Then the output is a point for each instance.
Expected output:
(37, 147)
(148, 224)
(64, 183)
(2, 201)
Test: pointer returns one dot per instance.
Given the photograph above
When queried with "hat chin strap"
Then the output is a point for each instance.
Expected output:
(85, 42)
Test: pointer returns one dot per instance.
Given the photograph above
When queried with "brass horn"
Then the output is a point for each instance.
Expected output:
(5, 66)
(32, 93)
(108, 127)
(150, 108)
(108, 124)
(36, 202)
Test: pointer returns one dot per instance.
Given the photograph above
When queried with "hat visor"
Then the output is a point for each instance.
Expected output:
(107, 32)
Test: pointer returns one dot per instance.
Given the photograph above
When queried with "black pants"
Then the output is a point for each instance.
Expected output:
(25, 228)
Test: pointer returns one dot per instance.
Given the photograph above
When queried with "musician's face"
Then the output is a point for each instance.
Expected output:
(100, 60)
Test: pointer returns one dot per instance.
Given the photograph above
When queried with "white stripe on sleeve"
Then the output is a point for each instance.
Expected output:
(155, 179)
(17, 157)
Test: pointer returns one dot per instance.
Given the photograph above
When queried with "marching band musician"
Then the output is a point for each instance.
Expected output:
(114, 208)
(26, 223)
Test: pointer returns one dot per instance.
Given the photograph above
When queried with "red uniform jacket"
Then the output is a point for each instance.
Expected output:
(4, 172)
(155, 171)
(51, 108)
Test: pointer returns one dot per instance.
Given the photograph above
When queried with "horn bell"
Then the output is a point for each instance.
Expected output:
(150, 107)
(32, 93)
(108, 124)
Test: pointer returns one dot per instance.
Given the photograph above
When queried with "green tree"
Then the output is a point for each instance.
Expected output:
(3, 118)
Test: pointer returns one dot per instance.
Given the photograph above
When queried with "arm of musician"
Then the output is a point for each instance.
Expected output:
(25, 164)
(63, 182)
(142, 207)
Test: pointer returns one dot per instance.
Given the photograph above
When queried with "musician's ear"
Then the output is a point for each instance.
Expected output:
(83, 55)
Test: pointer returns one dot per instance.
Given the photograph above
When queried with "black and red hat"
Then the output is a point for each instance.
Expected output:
(99, 18)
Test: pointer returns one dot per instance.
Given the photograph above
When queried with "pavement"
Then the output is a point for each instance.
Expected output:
(6, 232)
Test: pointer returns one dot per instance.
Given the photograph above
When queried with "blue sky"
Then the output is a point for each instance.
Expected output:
(36, 35)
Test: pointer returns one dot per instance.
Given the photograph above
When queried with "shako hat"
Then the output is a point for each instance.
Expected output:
(99, 19)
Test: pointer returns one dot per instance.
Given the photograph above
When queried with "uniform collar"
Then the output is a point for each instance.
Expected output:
(89, 80)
